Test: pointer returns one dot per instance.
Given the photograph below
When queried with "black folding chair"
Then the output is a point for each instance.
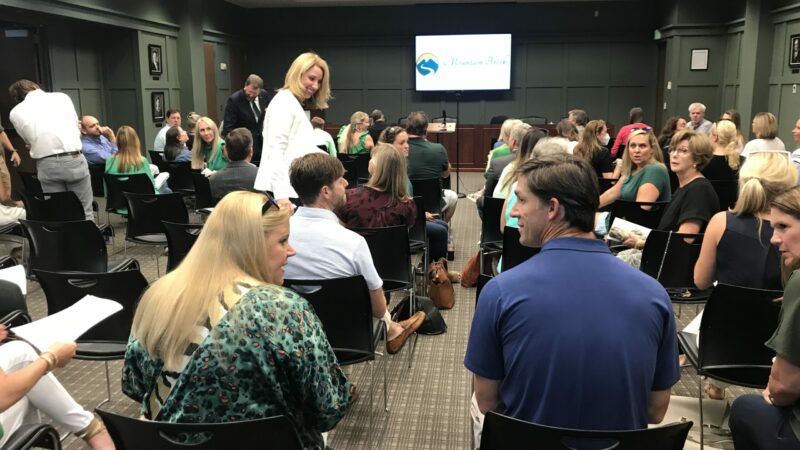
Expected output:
(75, 246)
(156, 157)
(350, 171)
(57, 207)
(96, 172)
(507, 433)
(180, 176)
(736, 322)
(147, 212)
(514, 253)
(180, 239)
(343, 306)
(31, 182)
(128, 433)
(108, 339)
(633, 212)
(670, 257)
(491, 237)
(430, 190)
(117, 184)
(391, 255)
(202, 192)
(418, 240)
(34, 435)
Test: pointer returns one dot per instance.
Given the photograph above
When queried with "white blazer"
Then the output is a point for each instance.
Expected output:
(288, 134)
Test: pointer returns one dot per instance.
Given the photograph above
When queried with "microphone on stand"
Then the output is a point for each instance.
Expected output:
(444, 120)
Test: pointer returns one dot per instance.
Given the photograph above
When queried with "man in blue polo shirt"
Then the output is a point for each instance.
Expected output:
(573, 337)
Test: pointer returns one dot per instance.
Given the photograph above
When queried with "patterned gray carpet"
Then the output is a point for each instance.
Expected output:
(428, 403)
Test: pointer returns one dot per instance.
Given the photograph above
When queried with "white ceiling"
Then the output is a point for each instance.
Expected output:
(306, 3)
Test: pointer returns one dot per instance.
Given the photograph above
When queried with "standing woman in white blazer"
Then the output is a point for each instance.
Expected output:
(288, 133)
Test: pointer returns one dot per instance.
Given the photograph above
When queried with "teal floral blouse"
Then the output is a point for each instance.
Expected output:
(267, 356)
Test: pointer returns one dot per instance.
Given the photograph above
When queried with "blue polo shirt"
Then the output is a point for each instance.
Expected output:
(578, 338)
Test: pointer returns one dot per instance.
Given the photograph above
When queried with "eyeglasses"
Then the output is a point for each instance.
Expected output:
(680, 150)
(268, 204)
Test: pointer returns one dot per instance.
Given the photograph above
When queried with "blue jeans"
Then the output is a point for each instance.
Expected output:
(757, 425)
(437, 231)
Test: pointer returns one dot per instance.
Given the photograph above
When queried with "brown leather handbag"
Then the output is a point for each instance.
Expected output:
(440, 290)
(469, 275)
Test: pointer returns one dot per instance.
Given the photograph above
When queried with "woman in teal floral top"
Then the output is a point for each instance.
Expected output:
(261, 350)
(208, 148)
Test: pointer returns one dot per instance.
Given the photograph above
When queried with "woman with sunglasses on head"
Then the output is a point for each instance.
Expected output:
(772, 420)
(260, 351)
(354, 137)
(288, 133)
(643, 177)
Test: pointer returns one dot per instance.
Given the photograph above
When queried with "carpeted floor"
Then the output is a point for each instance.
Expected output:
(428, 403)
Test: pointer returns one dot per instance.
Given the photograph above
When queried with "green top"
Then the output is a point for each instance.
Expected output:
(425, 159)
(653, 173)
(361, 145)
(112, 167)
(786, 340)
(267, 356)
(219, 161)
(331, 148)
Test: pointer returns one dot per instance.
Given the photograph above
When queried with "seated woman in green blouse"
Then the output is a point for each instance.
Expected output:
(261, 351)
(207, 148)
(129, 160)
(354, 138)
(643, 177)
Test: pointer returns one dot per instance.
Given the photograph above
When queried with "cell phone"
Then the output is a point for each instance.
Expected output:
(435, 215)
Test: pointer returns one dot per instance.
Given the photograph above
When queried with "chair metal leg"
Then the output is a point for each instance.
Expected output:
(371, 389)
(108, 388)
(700, 391)
(384, 362)
(411, 311)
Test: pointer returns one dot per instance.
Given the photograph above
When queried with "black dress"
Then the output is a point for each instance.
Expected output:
(718, 169)
(745, 257)
(695, 201)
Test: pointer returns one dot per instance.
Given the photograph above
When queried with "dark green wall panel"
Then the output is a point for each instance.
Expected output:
(545, 102)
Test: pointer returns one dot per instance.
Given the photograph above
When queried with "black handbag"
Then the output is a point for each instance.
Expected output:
(434, 322)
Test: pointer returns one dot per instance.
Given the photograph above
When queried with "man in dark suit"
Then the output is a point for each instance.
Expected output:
(378, 125)
(239, 174)
(246, 108)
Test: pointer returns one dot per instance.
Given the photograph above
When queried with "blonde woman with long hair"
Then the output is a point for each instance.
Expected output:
(725, 163)
(354, 137)
(207, 148)
(288, 133)
(643, 177)
(384, 201)
(219, 340)
(129, 160)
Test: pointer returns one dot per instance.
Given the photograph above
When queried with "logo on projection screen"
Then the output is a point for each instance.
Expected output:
(427, 64)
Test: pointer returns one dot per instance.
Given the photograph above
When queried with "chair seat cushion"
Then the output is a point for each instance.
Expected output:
(118, 265)
(149, 239)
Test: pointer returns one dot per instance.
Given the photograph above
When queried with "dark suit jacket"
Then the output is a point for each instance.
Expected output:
(238, 114)
(237, 176)
(376, 129)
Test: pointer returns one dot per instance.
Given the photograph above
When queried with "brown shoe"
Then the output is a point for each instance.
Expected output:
(409, 327)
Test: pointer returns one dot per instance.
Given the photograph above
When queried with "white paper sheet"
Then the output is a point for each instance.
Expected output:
(69, 324)
(16, 275)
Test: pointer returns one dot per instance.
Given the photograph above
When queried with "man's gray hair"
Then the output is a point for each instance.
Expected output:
(699, 105)
(550, 146)
(518, 132)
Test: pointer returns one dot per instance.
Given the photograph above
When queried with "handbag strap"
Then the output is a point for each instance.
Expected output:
(664, 256)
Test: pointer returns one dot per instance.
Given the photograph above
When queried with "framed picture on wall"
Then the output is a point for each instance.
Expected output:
(699, 59)
(794, 51)
(154, 59)
(157, 106)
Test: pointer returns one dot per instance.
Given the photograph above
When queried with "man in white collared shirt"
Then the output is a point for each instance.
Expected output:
(326, 249)
(173, 120)
(47, 121)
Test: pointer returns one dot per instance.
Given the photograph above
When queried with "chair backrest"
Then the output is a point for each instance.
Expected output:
(63, 289)
(147, 211)
(156, 157)
(727, 193)
(736, 323)
(515, 253)
(430, 189)
(129, 433)
(180, 239)
(508, 433)
(669, 257)
(633, 212)
(180, 175)
(96, 172)
(202, 191)
(534, 120)
(53, 206)
(417, 231)
(490, 227)
(7, 261)
(343, 306)
(31, 182)
(75, 246)
(390, 252)
(350, 171)
(117, 184)
(362, 166)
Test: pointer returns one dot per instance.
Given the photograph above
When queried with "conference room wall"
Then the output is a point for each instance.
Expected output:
(563, 57)
(784, 99)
